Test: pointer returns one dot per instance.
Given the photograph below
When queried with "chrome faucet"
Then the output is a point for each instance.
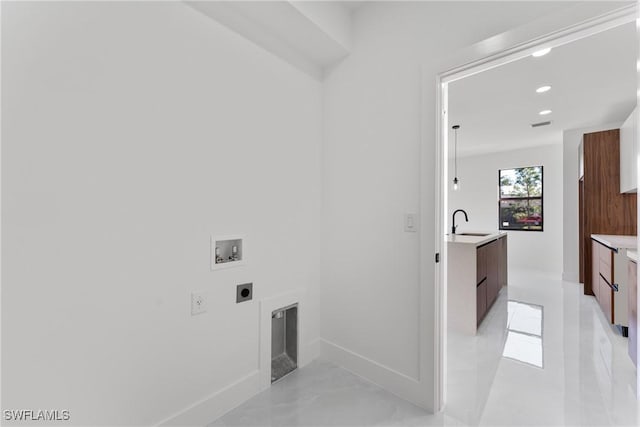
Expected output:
(453, 220)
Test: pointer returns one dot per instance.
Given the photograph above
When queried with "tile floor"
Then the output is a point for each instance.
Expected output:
(573, 370)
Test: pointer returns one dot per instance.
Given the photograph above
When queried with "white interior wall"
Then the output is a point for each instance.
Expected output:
(478, 196)
(570, 141)
(131, 133)
(145, 203)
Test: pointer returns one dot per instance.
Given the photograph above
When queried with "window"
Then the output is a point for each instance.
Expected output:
(520, 205)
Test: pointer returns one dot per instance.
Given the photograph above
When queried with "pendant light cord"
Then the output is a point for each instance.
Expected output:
(455, 151)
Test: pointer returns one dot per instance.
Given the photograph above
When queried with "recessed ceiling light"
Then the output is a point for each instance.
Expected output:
(543, 89)
(544, 112)
(541, 52)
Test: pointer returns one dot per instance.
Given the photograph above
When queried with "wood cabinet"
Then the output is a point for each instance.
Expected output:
(606, 300)
(610, 276)
(481, 264)
(471, 260)
(602, 210)
(503, 276)
(632, 274)
(493, 287)
(491, 269)
(603, 278)
(481, 301)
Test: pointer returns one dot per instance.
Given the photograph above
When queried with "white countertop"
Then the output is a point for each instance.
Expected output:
(617, 242)
(633, 255)
(474, 240)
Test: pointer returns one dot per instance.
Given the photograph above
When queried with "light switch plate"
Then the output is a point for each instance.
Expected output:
(198, 303)
(410, 222)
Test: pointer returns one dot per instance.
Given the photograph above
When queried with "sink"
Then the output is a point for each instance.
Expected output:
(472, 234)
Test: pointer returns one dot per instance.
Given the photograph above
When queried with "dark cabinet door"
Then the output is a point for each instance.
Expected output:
(481, 300)
(502, 262)
(493, 254)
(481, 264)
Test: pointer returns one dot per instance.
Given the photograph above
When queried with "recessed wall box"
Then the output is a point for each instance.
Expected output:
(228, 251)
(284, 341)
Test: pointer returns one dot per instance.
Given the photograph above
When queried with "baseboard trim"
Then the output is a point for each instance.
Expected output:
(214, 406)
(401, 385)
(230, 397)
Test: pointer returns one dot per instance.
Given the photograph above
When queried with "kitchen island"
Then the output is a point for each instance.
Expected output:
(476, 271)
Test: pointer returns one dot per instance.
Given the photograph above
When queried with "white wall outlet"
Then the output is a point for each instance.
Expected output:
(411, 222)
(198, 303)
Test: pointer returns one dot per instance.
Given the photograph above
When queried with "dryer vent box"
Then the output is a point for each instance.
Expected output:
(284, 341)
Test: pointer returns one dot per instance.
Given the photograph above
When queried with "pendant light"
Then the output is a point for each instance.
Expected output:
(455, 158)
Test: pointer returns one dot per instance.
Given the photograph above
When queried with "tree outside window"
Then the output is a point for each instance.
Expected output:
(520, 205)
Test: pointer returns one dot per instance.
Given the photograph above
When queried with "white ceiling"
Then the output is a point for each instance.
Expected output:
(593, 83)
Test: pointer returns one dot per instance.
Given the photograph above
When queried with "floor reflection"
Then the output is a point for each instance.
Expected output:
(524, 333)
(546, 334)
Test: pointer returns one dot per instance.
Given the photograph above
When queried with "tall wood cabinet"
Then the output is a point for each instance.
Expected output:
(602, 210)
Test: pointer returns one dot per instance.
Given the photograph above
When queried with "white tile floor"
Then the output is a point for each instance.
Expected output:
(586, 376)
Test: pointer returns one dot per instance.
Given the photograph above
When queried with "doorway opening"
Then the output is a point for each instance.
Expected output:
(444, 181)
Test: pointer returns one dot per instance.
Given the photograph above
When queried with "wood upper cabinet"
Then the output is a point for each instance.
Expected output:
(632, 274)
(603, 209)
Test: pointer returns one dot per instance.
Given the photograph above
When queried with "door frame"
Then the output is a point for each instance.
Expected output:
(514, 46)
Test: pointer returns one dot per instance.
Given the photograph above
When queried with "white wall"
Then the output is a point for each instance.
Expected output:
(374, 121)
(571, 140)
(478, 196)
(131, 133)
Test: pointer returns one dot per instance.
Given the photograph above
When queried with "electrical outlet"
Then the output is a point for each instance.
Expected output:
(198, 303)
